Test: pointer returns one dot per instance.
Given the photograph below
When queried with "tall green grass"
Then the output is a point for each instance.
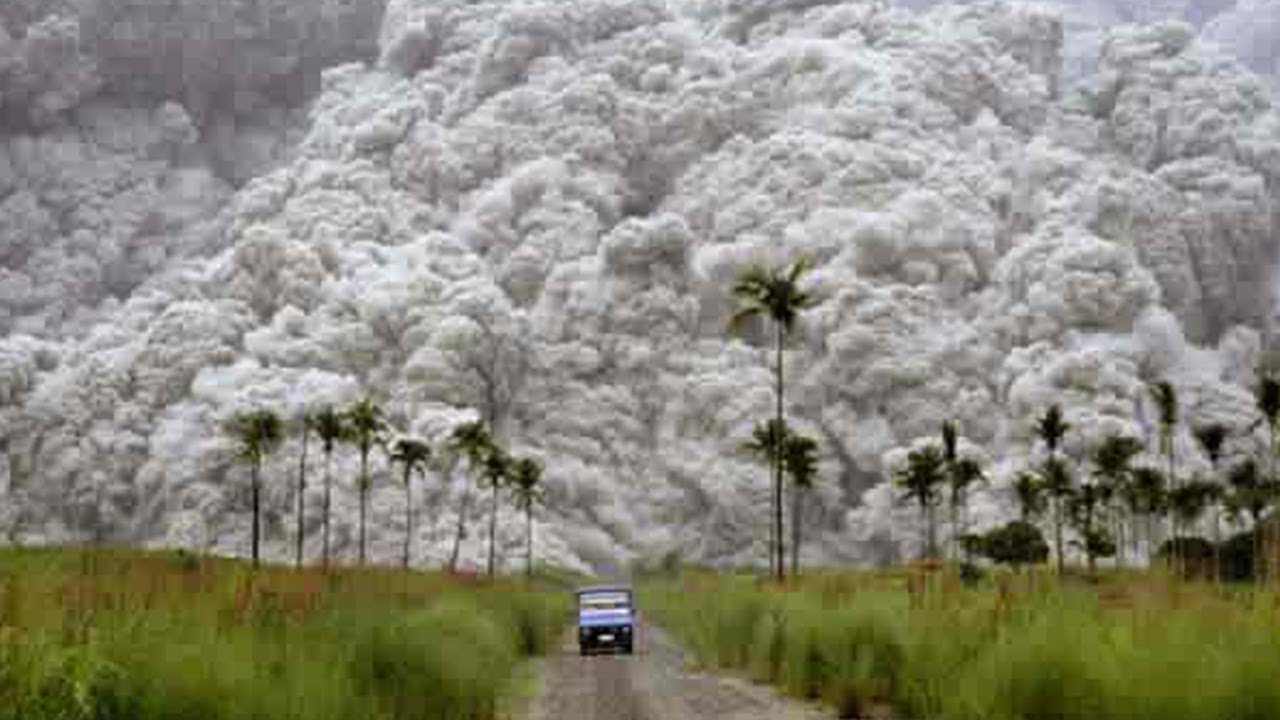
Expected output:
(124, 636)
(989, 654)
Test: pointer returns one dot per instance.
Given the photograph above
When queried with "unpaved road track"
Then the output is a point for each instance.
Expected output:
(653, 684)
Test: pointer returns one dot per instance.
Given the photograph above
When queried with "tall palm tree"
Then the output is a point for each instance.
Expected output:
(963, 474)
(768, 441)
(331, 427)
(411, 454)
(1165, 396)
(497, 470)
(1267, 396)
(1029, 493)
(526, 477)
(471, 439)
(1145, 497)
(1212, 439)
(306, 423)
(258, 432)
(1060, 486)
(775, 294)
(1252, 493)
(800, 459)
(367, 427)
(1187, 504)
(1052, 428)
(921, 477)
(1111, 473)
(950, 454)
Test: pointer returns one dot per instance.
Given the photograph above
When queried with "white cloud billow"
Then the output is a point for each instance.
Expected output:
(574, 186)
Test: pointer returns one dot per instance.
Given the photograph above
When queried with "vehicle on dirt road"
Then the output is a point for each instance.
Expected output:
(606, 619)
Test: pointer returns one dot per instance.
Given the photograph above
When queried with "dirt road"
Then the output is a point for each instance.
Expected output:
(653, 684)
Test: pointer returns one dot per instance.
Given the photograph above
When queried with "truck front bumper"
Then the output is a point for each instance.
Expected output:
(605, 637)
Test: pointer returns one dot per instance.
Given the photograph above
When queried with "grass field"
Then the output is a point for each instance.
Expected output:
(1130, 647)
(121, 635)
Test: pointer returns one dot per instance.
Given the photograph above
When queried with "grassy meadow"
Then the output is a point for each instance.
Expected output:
(1133, 647)
(122, 635)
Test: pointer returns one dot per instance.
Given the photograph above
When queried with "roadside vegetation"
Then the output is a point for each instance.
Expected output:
(119, 635)
(1014, 647)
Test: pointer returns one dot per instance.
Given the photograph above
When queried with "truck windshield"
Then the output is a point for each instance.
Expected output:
(604, 601)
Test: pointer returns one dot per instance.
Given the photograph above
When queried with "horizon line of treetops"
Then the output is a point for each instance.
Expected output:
(1114, 506)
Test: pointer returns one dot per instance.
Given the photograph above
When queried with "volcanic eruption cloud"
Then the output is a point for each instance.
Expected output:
(545, 203)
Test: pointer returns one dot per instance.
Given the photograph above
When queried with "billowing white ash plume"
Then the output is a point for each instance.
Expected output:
(125, 126)
(556, 196)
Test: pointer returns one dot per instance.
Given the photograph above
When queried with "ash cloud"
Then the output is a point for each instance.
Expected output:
(576, 184)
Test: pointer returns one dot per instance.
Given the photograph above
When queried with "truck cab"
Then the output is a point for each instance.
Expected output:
(606, 619)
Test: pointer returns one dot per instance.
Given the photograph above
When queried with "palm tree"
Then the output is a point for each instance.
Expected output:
(1051, 429)
(768, 441)
(331, 427)
(1213, 438)
(777, 295)
(1145, 496)
(497, 470)
(964, 473)
(1060, 486)
(259, 432)
(367, 426)
(800, 458)
(921, 477)
(1165, 396)
(472, 439)
(526, 476)
(1187, 504)
(1267, 395)
(412, 455)
(1252, 493)
(306, 423)
(950, 453)
(1087, 504)
(1029, 493)
(1111, 475)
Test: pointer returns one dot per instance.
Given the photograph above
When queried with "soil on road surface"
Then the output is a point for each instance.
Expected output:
(652, 684)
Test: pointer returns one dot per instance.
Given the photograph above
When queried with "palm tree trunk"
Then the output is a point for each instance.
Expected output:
(1217, 544)
(777, 462)
(256, 510)
(528, 519)
(1117, 524)
(328, 501)
(493, 531)
(955, 529)
(463, 509)
(926, 544)
(1269, 573)
(795, 530)
(933, 531)
(302, 490)
(364, 501)
(408, 511)
(1057, 534)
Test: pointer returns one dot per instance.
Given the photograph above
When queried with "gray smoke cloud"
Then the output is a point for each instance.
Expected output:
(543, 205)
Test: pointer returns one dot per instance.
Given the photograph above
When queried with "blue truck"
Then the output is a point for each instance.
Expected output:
(606, 619)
